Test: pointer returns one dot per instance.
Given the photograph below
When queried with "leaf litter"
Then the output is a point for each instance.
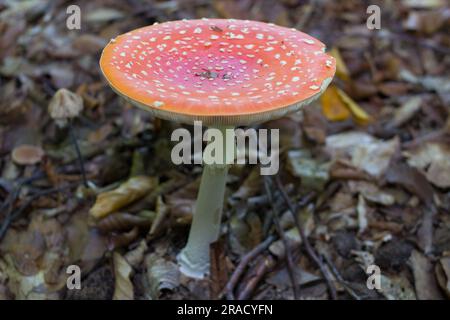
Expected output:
(367, 166)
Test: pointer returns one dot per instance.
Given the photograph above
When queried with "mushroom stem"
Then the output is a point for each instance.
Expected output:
(205, 228)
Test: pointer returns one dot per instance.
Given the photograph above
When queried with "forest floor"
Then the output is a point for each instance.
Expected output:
(365, 169)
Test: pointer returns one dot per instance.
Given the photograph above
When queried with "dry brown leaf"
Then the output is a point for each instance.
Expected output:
(434, 159)
(396, 288)
(120, 221)
(443, 274)
(424, 280)
(366, 152)
(407, 110)
(136, 256)
(131, 190)
(411, 179)
(161, 274)
(219, 272)
(123, 289)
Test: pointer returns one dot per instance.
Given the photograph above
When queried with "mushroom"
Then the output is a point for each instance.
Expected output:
(225, 73)
(27, 154)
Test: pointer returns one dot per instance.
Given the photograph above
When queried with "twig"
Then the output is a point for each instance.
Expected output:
(242, 266)
(73, 138)
(260, 270)
(11, 216)
(308, 247)
(339, 278)
(288, 254)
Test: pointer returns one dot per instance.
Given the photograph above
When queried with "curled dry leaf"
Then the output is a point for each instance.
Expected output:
(250, 186)
(65, 105)
(371, 192)
(120, 221)
(411, 179)
(27, 154)
(162, 210)
(182, 202)
(123, 239)
(396, 288)
(443, 274)
(23, 287)
(366, 152)
(313, 174)
(162, 274)
(424, 280)
(136, 256)
(407, 110)
(123, 289)
(434, 159)
(128, 192)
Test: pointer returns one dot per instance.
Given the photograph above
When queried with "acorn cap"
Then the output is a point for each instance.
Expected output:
(222, 72)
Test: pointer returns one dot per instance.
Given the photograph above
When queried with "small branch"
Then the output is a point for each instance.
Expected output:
(341, 280)
(11, 216)
(288, 254)
(242, 266)
(309, 249)
(260, 270)
(74, 141)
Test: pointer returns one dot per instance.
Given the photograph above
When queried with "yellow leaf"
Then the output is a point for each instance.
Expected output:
(341, 68)
(128, 192)
(360, 115)
(333, 107)
(123, 289)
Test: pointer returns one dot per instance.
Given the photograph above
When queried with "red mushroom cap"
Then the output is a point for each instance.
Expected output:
(222, 72)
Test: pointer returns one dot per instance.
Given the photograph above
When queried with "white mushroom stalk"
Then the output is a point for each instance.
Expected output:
(205, 228)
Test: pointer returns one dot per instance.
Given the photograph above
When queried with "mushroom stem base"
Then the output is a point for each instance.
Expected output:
(205, 228)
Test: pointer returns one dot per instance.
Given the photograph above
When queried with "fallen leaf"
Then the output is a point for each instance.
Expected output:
(434, 159)
(407, 110)
(341, 68)
(424, 280)
(360, 114)
(123, 289)
(361, 209)
(162, 211)
(313, 174)
(396, 288)
(423, 4)
(374, 158)
(366, 152)
(120, 221)
(136, 256)
(219, 272)
(411, 179)
(443, 274)
(162, 274)
(371, 192)
(131, 190)
(333, 107)
(102, 15)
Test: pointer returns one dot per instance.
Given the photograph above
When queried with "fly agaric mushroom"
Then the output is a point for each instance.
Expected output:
(224, 73)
